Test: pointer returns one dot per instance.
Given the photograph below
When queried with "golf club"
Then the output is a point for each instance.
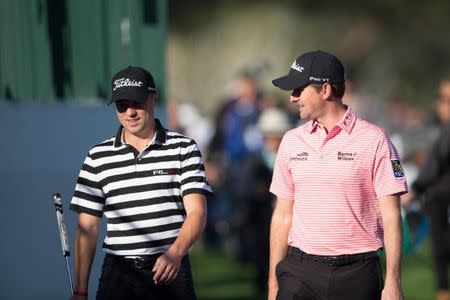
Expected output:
(63, 235)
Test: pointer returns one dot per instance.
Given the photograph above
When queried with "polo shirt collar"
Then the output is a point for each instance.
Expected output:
(312, 126)
(346, 123)
(160, 138)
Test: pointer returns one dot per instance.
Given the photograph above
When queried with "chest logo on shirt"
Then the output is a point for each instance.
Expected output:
(397, 167)
(299, 157)
(346, 155)
(164, 172)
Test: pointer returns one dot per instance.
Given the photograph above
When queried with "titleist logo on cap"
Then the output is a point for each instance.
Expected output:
(121, 82)
(297, 67)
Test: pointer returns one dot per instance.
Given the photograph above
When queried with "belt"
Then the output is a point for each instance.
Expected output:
(339, 260)
(140, 262)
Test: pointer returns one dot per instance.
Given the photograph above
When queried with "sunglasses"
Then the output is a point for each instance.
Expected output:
(123, 105)
(296, 92)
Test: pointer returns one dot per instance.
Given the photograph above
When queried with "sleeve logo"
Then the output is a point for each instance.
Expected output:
(397, 167)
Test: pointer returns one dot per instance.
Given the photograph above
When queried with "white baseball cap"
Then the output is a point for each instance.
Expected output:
(273, 121)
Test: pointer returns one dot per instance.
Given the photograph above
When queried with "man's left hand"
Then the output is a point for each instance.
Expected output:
(166, 267)
(391, 292)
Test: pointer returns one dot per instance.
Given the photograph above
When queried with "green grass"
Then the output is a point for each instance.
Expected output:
(417, 275)
(218, 276)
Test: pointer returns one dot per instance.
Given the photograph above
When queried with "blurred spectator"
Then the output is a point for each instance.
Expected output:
(236, 132)
(416, 222)
(269, 101)
(433, 188)
(405, 124)
(254, 201)
(172, 116)
(236, 135)
(186, 119)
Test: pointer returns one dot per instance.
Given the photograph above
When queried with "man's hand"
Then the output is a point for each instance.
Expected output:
(78, 297)
(391, 291)
(166, 267)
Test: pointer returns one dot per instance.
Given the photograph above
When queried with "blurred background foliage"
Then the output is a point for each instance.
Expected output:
(391, 48)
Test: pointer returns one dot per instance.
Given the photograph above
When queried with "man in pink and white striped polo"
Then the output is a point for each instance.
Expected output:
(337, 180)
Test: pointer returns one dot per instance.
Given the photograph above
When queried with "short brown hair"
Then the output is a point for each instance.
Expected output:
(338, 89)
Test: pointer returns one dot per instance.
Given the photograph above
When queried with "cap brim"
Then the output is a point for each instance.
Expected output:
(126, 94)
(290, 82)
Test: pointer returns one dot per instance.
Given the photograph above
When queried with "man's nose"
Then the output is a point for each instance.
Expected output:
(131, 111)
(293, 99)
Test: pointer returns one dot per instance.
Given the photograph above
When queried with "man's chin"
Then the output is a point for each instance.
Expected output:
(134, 130)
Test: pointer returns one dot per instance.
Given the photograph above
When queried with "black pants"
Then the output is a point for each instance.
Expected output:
(121, 280)
(302, 279)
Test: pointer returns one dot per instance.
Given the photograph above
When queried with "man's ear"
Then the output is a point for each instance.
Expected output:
(153, 99)
(327, 91)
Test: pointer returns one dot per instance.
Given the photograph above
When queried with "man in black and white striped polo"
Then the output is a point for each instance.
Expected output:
(150, 184)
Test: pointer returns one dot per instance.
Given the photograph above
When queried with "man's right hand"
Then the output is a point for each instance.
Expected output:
(74, 297)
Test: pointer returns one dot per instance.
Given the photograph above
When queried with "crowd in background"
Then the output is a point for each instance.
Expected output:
(240, 145)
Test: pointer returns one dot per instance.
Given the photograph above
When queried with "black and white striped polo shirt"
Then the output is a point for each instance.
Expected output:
(140, 193)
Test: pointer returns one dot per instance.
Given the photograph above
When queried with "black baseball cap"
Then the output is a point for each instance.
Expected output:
(132, 83)
(312, 67)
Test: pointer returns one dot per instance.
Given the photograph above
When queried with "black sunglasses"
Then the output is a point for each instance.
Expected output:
(123, 105)
(296, 92)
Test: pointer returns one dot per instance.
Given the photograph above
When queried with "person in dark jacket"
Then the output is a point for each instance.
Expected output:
(432, 185)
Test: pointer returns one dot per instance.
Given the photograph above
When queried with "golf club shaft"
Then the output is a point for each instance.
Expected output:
(68, 273)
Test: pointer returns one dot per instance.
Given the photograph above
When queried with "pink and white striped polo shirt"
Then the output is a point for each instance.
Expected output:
(335, 181)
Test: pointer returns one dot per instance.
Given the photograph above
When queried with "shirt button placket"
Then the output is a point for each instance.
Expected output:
(138, 160)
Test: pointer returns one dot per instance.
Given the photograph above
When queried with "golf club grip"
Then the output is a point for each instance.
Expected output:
(61, 225)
